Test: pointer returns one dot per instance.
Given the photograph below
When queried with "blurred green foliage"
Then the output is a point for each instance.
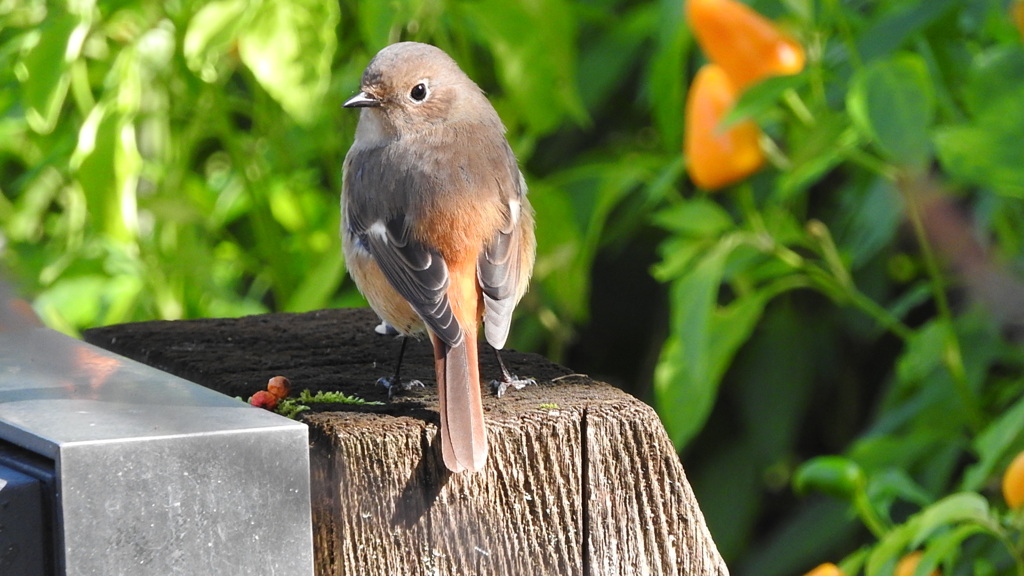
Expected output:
(182, 159)
(895, 196)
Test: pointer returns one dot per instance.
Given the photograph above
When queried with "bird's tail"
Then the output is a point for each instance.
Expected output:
(463, 433)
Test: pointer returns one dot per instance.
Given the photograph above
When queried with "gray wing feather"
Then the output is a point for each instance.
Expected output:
(417, 272)
(498, 270)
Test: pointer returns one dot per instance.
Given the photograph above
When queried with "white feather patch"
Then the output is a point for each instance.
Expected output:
(379, 230)
(514, 208)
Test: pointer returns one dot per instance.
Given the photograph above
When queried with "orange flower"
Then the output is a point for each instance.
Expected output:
(908, 564)
(717, 157)
(826, 569)
(1013, 483)
(748, 46)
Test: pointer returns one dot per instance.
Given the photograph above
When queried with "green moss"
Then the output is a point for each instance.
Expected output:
(292, 407)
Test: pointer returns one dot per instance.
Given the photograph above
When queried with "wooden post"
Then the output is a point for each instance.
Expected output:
(581, 477)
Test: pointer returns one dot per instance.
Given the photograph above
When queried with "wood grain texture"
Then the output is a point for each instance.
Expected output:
(642, 515)
(581, 478)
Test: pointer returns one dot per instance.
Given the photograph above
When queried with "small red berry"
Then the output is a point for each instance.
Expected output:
(264, 399)
(279, 386)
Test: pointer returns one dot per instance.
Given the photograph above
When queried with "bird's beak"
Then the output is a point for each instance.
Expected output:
(362, 100)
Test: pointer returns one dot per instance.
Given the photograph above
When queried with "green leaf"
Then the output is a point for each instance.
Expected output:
(996, 83)
(816, 151)
(762, 97)
(380, 20)
(923, 353)
(892, 101)
(44, 69)
(607, 63)
(853, 563)
(106, 164)
(887, 552)
(677, 256)
(890, 31)
(892, 484)
(988, 155)
(560, 262)
(211, 33)
(957, 508)
(986, 150)
(1004, 435)
(868, 221)
(72, 302)
(965, 508)
(884, 447)
(914, 296)
(316, 289)
(946, 546)
(700, 218)
(285, 206)
(665, 83)
(534, 50)
(703, 339)
(289, 47)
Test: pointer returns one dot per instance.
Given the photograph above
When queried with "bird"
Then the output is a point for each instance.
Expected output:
(437, 231)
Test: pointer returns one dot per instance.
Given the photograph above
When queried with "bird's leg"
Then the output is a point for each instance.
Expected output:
(508, 379)
(392, 382)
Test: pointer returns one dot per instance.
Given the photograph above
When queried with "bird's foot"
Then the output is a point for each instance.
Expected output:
(391, 384)
(510, 381)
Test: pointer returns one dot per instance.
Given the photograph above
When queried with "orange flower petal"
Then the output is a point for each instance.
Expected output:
(908, 565)
(826, 569)
(717, 157)
(748, 46)
(1013, 483)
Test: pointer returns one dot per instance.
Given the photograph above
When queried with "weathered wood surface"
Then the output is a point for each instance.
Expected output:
(581, 477)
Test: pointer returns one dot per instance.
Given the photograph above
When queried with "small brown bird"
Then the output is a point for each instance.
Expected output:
(436, 227)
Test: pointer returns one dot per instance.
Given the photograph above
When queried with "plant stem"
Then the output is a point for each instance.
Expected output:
(880, 315)
(749, 208)
(844, 281)
(846, 33)
(841, 289)
(871, 163)
(952, 355)
(800, 110)
(1016, 552)
(869, 515)
(775, 154)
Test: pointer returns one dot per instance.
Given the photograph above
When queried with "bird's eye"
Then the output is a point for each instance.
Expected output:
(418, 92)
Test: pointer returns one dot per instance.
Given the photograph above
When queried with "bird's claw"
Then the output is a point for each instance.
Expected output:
(510, 381)
(391, 384)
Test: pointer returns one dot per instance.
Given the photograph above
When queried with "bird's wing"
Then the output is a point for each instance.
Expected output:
(499, 269)
(416, 271)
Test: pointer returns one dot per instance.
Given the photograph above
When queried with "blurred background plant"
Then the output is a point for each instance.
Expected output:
(855, 293)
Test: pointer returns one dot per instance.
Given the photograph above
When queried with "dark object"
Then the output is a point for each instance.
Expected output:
(26, 513)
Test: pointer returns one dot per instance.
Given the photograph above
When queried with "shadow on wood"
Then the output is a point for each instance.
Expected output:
(581, 477)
